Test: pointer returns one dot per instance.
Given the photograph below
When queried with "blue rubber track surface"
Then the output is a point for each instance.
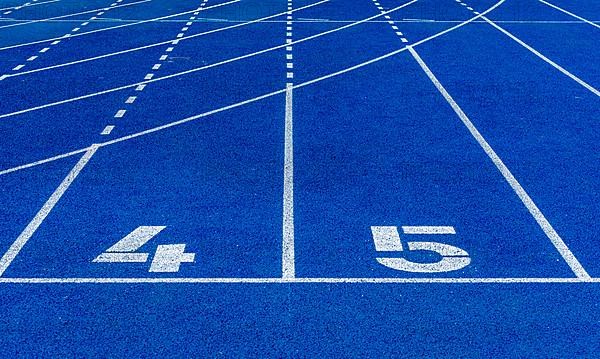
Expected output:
(299, 178)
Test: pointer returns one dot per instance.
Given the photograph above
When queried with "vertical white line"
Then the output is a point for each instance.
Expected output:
(556, 240)
(288, 256)
(35, 223)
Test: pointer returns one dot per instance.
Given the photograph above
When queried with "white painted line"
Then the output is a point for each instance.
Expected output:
(35, 223)
(18, 67)
(188, 23)
(289, 57)
(175, 42)
(120, 113)
(288, 256)
(556, 240)
(131, 99)
(169, 49)
(76, 29)
(288, 48)
(180, 35)
(570, 13)
(404, 40)
(156, 67)
(547, 60)
(44, 49)
(290, 65)
(107, 130)
(179, 280)
(163, 57)
(55, 42)
(290, 75)
(85, 23)
(113, 27)
(239, 104)
(136, 239)
(469, 8)
(28, 5)
(122, 258)
(386, 239)
(32, 58)
(428, 230)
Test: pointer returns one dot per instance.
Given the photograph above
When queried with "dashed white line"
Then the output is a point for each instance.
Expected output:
(107, 130)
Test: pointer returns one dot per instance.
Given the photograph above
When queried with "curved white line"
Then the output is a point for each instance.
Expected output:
(19, 7)
(274, 93)
(178, 74)
(159, 43)
(69, 15)
(71, 36)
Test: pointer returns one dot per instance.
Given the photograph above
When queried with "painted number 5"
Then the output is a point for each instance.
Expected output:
(387, 239)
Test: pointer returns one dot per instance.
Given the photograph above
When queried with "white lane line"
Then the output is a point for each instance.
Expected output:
(541, 56)
(131, 99)
(114, 27)
(44, 49)
(29, 5)
(287, 46)
(288, 251)
(288, 259)
(32, 58)
(163, 42)
(18, 67)
(70, 15)
(570, 13)
(268, 95)
(176, 280)
(428, 230)
(107, 130)
(35, 223)
(556, 240)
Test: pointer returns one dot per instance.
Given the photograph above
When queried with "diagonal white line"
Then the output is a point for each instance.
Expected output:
(35, 223)
(268, 95)
(541, 56)
(69, 15)
(544, 224)
(158, 43)
(115, 27)
(30, 5)
(570, 13)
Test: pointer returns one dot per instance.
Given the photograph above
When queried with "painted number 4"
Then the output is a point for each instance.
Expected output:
(387, 239)
(167, 258)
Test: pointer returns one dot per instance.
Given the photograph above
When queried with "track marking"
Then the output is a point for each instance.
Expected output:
(544, 224)
(570, 14)
(288, 251)
(33, 3)
(107, 130)
(69, 15)
(245, 102)
(131, 99)
(44, 50)
(297, 280)
(114, 27)
(35, 223)
(541, 56)
(428, 230)
(287, 46)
